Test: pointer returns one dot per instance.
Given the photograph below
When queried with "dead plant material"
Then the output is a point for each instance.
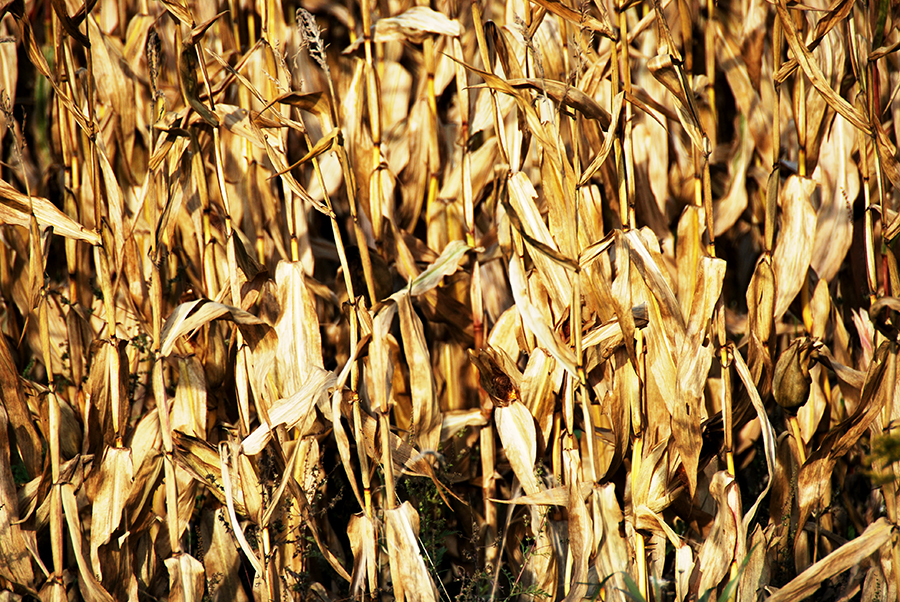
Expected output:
(509, 300)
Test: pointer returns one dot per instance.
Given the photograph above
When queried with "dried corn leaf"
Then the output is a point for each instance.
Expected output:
(381, 367)
(299, 350)
(540, 571)
(294, 411)
(15, 209)
(668, 71)
(446, 264)
(186, 578)
(745, 89)
(114, 481)
(188, 317)
(515, 426)
(414, 25)
(426, 414)
(581, 531)
(580, 19)
(609, 138)
(564, 94)
(850, 554)
(612, 560)
(221, 559)
(412, 581)
(670, 311)
(500, 377)
(280, 163)
(724, 542)
(793, 250)
(202, 461)
(542, 377)
(811, 68)
(188, 407)
(814, 481)
(237, 120)
(87, 581)
(179, 11)
(361, 532)
(15, 562)
(534, 320)
(225, 452)
(17, 415)
(840, 185)
(555, 496)
(768, 433)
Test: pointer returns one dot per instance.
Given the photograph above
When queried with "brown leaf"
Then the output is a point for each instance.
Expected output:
(114, 481)
(15, 208)
(806, 583)
(535, 322)
(89, 585)
(413, 25)
(840, 184)
(813, 483)
(186, 578)
(793, 250)
(581, 542)
(179, 11)
(768, 433)
(188, 317)
(15, 562)
(361, 531)
(837, 13)
(811, 68)
(723, 542)
(515, 426)
(16, 412)
(499, 376)
(188, 407)
(221, 559)
(295, 411)
(408, 571)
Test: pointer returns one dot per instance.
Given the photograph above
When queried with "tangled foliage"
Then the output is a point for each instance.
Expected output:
(473, 300)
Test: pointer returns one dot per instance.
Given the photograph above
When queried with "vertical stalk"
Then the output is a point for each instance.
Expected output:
(373, 102)
(628, 150)
(57, 537)
(710, 39)
(617, 144)
(772, 188)
(495, 104)
(428, 55)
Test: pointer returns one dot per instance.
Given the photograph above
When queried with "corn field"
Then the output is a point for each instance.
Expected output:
(451, 300)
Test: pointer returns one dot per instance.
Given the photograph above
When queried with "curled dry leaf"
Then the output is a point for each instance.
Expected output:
(188, 317)
(499, 376)
(414, 25)
(793, 250)
(791, 384)
(515, 426)
(292, 412)
(15, 562)
(411, 579)
(535, 322)
(723, 544)
(15, 208)
(186, 578)
(850, 554)
(814, 481)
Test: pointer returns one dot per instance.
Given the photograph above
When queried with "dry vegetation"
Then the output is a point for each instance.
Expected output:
(499, 301)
